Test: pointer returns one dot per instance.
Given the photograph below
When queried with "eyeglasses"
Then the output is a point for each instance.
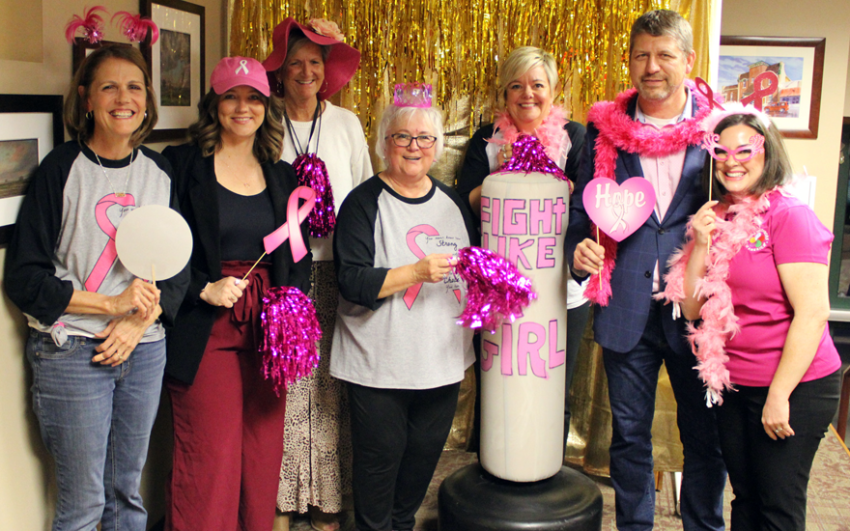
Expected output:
(404, 140)
(743, 153)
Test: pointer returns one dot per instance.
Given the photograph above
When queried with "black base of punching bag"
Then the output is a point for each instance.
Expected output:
(472, 499)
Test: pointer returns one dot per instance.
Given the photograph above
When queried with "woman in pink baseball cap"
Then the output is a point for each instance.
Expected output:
(326, 145)
(233, 190)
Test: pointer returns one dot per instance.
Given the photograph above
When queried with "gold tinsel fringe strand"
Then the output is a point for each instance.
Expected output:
(457, 45)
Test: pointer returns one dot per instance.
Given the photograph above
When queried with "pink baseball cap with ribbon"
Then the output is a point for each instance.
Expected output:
(234, 71)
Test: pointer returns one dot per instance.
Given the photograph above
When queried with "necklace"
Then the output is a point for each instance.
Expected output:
(296, 143)
(312, 172)
(126, 180)
(235, 174)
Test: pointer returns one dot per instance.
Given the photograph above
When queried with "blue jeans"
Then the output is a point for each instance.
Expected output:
(632, 380)
(96, 422)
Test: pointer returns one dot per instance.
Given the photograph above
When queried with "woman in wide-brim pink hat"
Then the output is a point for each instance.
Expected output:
(326, 145)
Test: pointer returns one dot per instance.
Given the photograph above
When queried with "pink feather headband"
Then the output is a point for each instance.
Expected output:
(135, 27)
(90, 22)
(718, 114)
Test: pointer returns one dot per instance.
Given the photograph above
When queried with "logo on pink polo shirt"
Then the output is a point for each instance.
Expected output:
(757, 241)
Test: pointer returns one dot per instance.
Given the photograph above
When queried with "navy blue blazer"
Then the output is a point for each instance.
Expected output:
(619, 325)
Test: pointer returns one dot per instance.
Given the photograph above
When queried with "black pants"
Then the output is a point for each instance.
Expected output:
(769, 478)
(576, 323)
(397, 437)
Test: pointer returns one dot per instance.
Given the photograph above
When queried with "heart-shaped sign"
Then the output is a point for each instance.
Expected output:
(619, 209)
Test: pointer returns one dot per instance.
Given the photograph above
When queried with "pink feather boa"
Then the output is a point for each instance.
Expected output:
(719, 323)
(550, 132)
(618, 131)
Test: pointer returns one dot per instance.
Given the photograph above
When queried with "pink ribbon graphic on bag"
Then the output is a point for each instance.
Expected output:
(109, 254)
(413, 291)
(295, 215)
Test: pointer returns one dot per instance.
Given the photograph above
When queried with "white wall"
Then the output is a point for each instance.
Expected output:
(26, 485)
(817, 18)
(847, 91)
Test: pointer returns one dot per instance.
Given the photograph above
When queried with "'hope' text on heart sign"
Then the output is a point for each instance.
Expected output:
(619, 209)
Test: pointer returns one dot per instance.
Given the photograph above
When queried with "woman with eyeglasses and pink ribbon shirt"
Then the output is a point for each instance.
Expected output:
(753, 279)
(396, 342)
(234, 191)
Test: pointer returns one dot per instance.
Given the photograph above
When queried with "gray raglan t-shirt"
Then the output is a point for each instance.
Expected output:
(409, 340)
(92, 210)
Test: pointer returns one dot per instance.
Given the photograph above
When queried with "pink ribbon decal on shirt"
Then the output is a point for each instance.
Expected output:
(109, 254)
(413, 291)
(294, 217)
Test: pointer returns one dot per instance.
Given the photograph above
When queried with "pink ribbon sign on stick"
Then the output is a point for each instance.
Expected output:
(705, 89)
(295, 215)
(619, 209)
(413, 291)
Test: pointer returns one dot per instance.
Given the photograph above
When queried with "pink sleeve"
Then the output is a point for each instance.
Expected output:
(799, 236)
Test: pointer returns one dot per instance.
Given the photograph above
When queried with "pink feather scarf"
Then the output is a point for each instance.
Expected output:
(619, 131)
(550, 132)
(719, 323)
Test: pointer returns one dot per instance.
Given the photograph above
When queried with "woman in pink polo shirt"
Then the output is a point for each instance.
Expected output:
(763, 341)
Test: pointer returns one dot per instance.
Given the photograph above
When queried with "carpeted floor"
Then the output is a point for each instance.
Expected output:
(828, 507)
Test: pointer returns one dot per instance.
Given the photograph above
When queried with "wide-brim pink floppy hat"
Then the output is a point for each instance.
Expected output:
(340, 66)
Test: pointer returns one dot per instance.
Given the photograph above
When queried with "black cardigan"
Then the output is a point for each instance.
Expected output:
(195, 185)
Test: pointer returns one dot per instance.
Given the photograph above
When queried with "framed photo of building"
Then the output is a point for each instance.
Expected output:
(793, 101)
(176, 61)
(30, 127)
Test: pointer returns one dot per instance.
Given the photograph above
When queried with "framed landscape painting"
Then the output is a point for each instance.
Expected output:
(30, 127)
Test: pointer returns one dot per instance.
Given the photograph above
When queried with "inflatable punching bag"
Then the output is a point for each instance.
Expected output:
(524, 218)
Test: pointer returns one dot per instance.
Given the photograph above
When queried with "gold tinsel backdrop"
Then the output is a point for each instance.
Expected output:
(456, 45)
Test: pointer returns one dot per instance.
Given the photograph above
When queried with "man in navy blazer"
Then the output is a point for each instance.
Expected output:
(636, 332)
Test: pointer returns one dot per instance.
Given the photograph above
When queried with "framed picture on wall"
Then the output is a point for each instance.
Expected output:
(82, 49)
(176, 61)
(791, 96)
(30, 127)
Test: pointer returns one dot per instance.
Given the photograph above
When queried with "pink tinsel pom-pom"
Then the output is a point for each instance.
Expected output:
(92, 25)
(135, 27)
(528, 155)
(312, 172)
(495, 289)
(290, 333)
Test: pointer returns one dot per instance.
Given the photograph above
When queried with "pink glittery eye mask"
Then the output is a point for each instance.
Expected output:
(742, 153)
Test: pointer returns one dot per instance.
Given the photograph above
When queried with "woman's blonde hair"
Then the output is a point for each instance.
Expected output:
(78, 124)
(520, 61)
(268, 141)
